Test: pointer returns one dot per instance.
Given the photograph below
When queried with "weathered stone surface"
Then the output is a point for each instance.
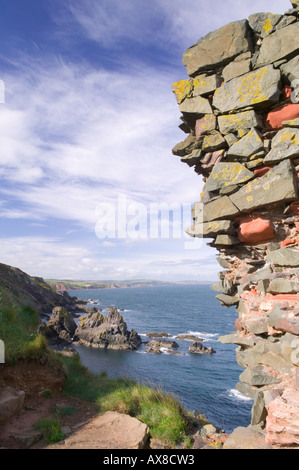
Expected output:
(291, 69)
(11, 402)
(111, 430)
(236, 68)
(227, 240)
(196, 105)
(258, 411)
(212, 142)
(282, 425)
(284, 145)
(186, 146)
(246, 438)
(257, 376)
(249, 145)
(284, 257)
(162, 343)
(61, 325)
(210, 229)
(204, 84)
(235, 338)
(240, 121)
(282, 286)
(259, 88)
(277, 185)
(263, 23)
(221, 208)
(255, 229)
(227, 174)
(182, 89)
(217, 48)
(108, 332)
(205, 125)
(227, 300)
(278, 45)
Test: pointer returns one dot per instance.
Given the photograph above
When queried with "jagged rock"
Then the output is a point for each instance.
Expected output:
(278, 45)
(240, 121)
(186, 147)
(257, 376)
(249, 145)
(218, 48)
(227, 174)
(264, 23)
(196, 105)
(189, 337)
(213, 141)
(284, 145)
(182, 89)
(163, 334)
(109, 332)
(197, 348)
(235, 338)
(259, 88)
(61, 325)
(277, 185)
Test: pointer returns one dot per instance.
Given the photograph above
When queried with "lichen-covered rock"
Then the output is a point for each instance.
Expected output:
(276, 185)
(278, 45)
(284, 145)
(250, 207)
(259, 88)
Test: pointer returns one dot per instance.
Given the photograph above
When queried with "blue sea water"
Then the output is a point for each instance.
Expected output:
(200, 381)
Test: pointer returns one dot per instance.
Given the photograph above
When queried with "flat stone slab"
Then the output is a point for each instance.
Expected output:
(257, 88)
(246, 438)
(276, 185)
(227, 174)
(239, 121)
(284, 145)
(217, 48)
(111, 430)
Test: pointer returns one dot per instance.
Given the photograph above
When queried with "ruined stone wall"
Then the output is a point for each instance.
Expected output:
(241, 115)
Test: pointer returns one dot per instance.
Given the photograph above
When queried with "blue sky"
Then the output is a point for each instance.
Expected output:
(89, 118)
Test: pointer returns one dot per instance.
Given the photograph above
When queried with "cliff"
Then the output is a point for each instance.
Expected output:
(25, 290)
(240, 111)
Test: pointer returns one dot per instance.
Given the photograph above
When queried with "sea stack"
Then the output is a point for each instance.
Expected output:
(240, 110)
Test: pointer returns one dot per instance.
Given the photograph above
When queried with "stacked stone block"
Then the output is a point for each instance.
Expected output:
(240, 111)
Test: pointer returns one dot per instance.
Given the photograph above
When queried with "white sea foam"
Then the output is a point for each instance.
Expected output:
(204, 335)
(234, 393)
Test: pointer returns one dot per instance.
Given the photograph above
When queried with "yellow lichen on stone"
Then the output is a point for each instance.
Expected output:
(251, 87)
(268, 25)
(289, 136)
(213, 226)
(182, 89)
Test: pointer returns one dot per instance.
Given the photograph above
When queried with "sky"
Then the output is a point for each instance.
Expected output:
(89, 188)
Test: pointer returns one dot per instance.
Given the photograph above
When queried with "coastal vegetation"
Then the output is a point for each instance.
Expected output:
(165, 416)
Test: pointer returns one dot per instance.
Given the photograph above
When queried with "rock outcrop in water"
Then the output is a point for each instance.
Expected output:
(106, 332)
(240, 111)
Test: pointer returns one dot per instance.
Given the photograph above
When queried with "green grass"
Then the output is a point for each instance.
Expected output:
(164, 415)
(50, 429)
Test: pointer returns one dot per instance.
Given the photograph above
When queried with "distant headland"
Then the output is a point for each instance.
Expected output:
(66, 284)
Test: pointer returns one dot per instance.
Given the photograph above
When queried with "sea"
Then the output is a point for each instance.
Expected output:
(202, 382)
